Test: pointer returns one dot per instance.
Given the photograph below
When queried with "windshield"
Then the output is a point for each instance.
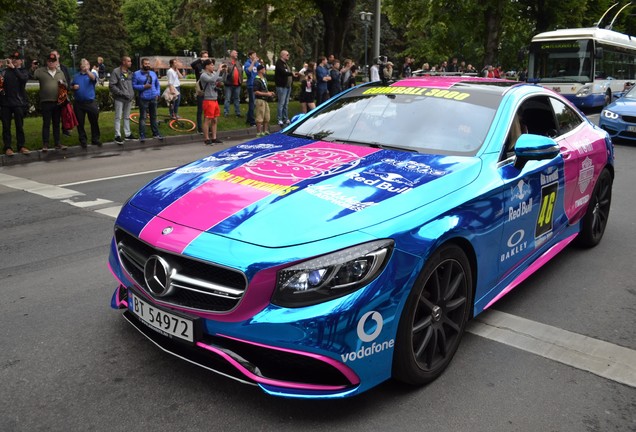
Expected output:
(424, 121)
(561, 61)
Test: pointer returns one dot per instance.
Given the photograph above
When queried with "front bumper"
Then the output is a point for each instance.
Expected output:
(277, 371)
(307, 352)
(618, 128)
(589, 101)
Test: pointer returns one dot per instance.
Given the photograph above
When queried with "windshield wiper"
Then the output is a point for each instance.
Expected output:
(376, 144)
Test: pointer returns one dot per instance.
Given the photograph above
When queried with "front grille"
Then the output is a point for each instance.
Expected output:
(198, 285)
(629, 119)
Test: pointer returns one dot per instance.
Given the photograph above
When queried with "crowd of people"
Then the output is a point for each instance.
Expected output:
(319, 81)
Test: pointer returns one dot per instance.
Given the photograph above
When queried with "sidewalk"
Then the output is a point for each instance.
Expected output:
(75, 151)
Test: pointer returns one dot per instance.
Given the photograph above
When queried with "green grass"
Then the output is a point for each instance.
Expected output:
(33, 125)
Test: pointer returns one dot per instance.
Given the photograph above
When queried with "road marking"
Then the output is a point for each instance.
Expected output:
(54, 192)
(45, 190)
(110, 211)
(117, 177)
(605, 359)
(86, 204)
(601, 358)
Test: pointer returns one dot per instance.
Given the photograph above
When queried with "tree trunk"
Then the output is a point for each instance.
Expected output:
(493, 15)
(336, 15)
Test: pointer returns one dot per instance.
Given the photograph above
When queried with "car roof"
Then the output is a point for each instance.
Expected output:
(491, 85)
(447, 82)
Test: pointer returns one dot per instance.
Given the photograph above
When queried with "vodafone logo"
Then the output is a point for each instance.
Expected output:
(364, 326)
(362, 334)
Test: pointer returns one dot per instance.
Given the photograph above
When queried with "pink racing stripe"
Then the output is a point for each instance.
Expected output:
(547, 256)
(227, 193)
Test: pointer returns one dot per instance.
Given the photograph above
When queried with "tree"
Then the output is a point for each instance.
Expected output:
(336, 15)
(101, 31)
(152, 25)
(40, 29)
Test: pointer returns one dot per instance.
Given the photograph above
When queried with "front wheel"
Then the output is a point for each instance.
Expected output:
(595, 219)
(182, 125)
(434, 317)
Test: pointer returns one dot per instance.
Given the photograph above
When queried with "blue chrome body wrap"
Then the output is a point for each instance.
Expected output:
(350, 196)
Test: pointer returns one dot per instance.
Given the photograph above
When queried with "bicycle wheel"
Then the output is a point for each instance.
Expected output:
(134, 117)
(182, 125)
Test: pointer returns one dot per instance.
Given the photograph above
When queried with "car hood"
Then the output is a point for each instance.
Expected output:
(281, 191)
(623, 106)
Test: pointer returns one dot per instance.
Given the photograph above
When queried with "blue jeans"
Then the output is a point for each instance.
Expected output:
(122, 108)
(232, 94)
(250, 110)
(174, 107)
(145, 107)
(282, 94)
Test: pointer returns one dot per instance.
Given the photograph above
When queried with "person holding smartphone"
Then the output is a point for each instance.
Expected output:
(14, 102)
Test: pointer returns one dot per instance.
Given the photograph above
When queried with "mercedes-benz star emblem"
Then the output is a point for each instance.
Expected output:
(167, 230)
(158, 276)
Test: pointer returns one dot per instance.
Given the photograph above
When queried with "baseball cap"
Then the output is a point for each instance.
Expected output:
(260, 67)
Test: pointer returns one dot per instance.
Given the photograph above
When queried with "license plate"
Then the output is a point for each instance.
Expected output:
(631, 128)
(164, 322)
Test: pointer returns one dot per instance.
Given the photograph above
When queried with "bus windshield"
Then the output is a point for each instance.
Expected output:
(562, 61)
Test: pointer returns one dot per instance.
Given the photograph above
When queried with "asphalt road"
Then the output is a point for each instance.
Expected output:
(69, 362)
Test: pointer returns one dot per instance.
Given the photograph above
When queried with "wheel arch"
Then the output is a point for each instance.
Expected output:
(469, 250)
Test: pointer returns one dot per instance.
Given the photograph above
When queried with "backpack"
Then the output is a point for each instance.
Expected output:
(200, 91)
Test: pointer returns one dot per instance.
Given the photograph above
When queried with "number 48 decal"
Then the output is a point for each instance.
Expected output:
(548, 201)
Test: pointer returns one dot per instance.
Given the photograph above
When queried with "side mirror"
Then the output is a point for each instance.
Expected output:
(534, 147)
(297, 117)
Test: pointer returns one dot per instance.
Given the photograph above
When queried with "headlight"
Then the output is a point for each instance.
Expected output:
(331, 276)
(609, 114)
(584, 91)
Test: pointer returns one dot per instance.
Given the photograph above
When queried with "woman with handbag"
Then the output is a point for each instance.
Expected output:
(51, 78)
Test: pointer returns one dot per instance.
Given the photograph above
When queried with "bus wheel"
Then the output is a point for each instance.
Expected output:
(608, 98)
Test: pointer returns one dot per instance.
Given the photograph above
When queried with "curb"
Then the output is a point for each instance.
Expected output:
(110, 147)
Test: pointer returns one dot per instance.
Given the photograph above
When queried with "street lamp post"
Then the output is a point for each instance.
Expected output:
(22, 43)
(73, 49)
(137, 60)
(366, 18)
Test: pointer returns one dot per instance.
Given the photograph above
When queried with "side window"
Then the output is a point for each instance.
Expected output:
(535, 116)
(567, 119)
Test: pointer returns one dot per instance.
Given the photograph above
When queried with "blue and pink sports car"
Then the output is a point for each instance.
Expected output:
(353, 246)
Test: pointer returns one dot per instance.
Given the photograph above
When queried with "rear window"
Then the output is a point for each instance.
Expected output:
(424, 120)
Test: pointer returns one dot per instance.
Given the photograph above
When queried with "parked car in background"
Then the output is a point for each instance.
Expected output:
(354, 245)
(619, 117)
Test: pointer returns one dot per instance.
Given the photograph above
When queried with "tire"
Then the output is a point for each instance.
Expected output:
(595, 219)
(182, 125)
(434, 317)
(608, 98)
(134, 117)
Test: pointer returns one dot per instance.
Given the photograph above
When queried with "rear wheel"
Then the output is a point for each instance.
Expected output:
(434, 317)
(595, 219)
